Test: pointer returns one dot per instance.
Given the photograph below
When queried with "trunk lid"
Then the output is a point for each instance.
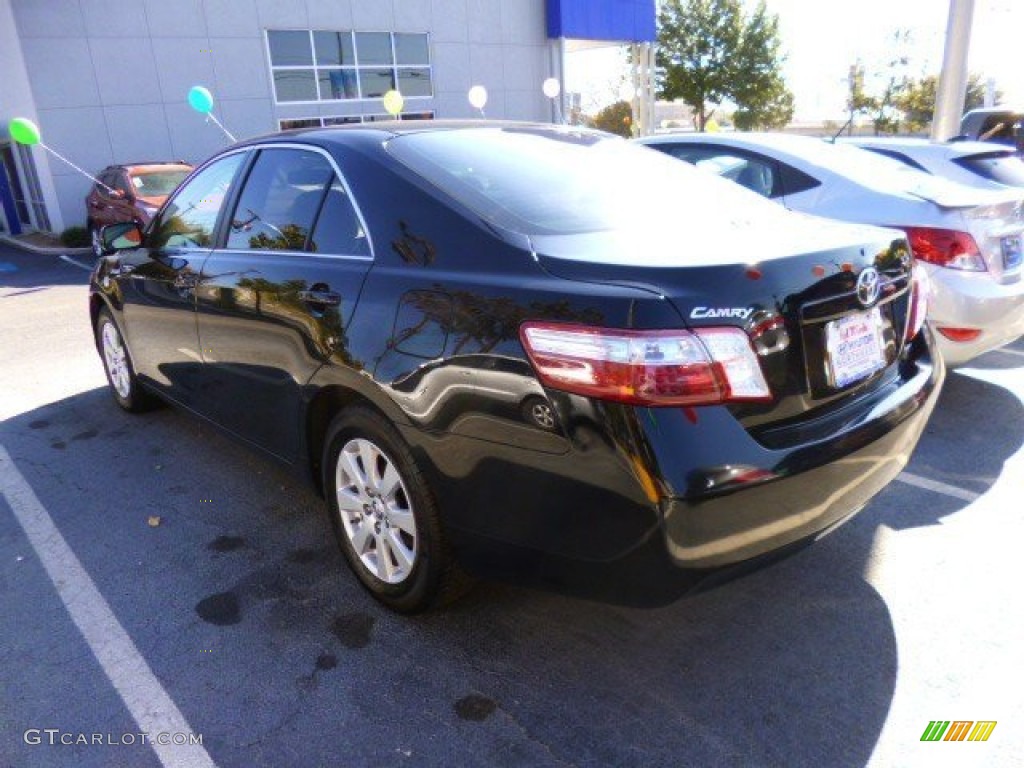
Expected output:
(791, 284)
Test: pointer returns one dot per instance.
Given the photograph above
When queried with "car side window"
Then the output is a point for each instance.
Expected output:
(279, 202)
(754, 173)
(898, 156)
(190, 218)
(121, 184)
(793, 181)
(338, 228)
(106, 180)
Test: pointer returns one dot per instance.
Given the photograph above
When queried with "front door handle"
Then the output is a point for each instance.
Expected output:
(185, 281)
(321, 298)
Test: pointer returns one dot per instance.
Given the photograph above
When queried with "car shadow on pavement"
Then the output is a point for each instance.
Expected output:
(240, 603)
(954, 451)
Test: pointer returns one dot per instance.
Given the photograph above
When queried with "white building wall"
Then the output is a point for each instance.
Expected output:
(110, 77)
(16, 101)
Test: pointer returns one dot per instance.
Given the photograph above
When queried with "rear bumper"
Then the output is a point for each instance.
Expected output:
(628, 508)
(973, 300)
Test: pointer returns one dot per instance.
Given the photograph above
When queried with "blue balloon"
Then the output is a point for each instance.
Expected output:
(200, 99)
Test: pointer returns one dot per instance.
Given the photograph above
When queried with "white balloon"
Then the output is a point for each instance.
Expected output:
(478, 96)
(552, 87)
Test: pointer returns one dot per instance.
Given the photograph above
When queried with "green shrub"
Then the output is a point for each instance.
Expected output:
(75, 237)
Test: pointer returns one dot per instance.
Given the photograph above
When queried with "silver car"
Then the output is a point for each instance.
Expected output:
(975, 163)
(968, 239)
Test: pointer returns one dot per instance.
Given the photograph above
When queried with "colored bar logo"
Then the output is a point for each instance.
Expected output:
(958, 730)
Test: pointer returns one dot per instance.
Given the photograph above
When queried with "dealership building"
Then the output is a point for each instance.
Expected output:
(107, 81)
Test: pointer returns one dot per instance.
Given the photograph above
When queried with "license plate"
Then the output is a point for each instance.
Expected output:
(854, 348)
(1012, 252)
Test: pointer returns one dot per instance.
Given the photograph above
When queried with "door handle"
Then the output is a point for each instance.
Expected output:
(122, 269)
(321, 298)
(185, 281)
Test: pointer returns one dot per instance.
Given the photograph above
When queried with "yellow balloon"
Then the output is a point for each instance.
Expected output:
(393, 103)
(712, 126)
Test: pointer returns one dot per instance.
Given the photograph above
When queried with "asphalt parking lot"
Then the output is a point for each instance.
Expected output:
(157, 577)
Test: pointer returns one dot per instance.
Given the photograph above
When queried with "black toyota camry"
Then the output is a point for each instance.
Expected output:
(531, 347)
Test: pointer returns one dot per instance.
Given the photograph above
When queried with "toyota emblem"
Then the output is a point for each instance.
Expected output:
(868, 286)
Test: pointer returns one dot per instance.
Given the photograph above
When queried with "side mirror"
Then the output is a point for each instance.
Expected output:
(121, 237)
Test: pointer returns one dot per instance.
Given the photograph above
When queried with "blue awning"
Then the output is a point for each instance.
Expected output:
(613, 20)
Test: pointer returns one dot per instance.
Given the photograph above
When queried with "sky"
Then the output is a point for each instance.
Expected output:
(824, 37)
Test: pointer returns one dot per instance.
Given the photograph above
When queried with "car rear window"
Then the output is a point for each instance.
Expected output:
(157, 183)
(553, 182)
(1003, 167)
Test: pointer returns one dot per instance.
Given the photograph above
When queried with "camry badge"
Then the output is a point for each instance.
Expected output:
(868, 286)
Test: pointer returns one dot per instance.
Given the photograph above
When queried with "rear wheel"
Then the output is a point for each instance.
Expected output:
(117, 364)
(384, 516)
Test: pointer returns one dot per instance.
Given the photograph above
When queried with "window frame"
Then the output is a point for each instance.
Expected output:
(218, 224)
(220, 240)
(357, 68)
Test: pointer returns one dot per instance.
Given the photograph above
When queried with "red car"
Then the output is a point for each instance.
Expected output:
(130, 192)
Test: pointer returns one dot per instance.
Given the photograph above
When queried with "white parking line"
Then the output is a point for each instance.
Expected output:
(146, 700)
(74, 263)
(1008, 351)
(934, 485)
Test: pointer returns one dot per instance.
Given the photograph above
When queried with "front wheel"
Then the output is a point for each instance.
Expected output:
(117, 364)
(384, 516)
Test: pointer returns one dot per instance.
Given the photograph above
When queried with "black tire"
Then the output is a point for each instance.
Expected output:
(124, 384)
(434, 578)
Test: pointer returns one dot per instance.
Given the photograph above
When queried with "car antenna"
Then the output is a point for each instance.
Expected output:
(840, 131)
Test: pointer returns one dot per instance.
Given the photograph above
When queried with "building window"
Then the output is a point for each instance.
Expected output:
(317, 122)
(325, 65)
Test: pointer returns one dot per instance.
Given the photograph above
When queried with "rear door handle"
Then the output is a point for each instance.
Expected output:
(321, 298)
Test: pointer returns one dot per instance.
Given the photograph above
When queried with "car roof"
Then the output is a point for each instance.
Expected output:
(995, 111)
(917, 146)
(786, 142)
(390, 128)
(147, 165)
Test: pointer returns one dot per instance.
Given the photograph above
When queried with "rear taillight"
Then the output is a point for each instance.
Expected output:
(960, 335)
(946, 248)
(920, 288)
(711, 365)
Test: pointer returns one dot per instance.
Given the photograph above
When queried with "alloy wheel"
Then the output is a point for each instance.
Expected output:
(116, 360)
(376, 511)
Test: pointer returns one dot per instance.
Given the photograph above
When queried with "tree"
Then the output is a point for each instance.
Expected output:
(762, 99)
(917, 101)
(710, 51)
(615, 118)
(890, 80)
(775, 112)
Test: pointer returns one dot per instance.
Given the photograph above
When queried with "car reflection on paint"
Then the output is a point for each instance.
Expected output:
(490, 360)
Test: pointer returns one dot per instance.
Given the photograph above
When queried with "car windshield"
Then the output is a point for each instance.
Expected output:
(549, 181)
(1002, 167)
(157, 183)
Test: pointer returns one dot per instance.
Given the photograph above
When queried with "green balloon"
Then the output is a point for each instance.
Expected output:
(24, 131)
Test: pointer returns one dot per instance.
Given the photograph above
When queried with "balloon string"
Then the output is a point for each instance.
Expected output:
(226, 131)
(59, 156)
